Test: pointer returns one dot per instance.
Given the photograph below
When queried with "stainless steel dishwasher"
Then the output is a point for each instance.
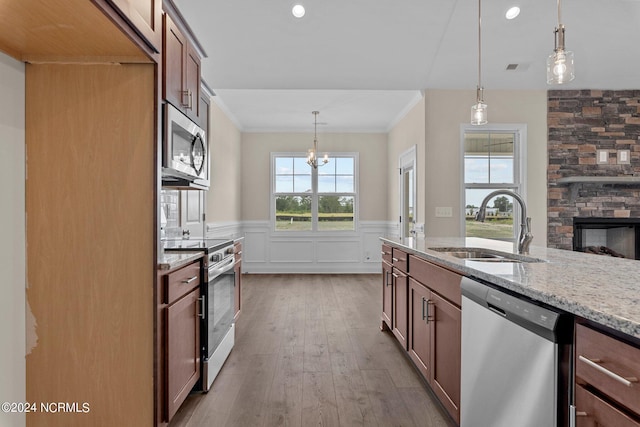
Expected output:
(511, 357)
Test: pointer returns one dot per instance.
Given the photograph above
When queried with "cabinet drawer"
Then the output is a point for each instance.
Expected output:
(386, 253)
(400, 260)
(593, 411)
(181, 281)
(441, 280)
(609, 365)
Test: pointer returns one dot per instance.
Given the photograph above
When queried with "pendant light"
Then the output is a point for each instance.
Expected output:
(560, 67)
(312, 153)
(479, 109)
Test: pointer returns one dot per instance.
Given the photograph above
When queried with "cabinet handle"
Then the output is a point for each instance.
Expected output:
(394, 259)
(189, 280)
(202, 308)
(594, 364)
(573, 413)
(424, 316)
(387, 281)
(395, 275)
(383, 253)
(430, 317)
(189, 95)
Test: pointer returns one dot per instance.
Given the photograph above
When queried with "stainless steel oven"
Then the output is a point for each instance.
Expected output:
(218, 305)
(217, 332)
(185, 157)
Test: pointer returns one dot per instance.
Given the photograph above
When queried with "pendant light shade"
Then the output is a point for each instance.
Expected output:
(479, 109)
(560, 67)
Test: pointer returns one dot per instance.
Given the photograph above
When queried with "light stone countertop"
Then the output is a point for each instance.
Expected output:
(173, 260)
(602, 289)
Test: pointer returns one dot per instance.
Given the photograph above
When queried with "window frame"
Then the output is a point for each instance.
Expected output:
(519, 130)
(314, 196)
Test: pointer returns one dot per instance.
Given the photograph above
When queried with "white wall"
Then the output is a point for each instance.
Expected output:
(224, 146)
(445, 110)
(406, 133)
(264, 251)
(12, 226)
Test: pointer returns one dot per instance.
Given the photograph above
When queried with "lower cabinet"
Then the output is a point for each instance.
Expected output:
(446, 353)
(183, 349)
(180, 357)
(400, 286)
(422, 307)
(387, 296)
(434, 343)
(419, 328)
(607, 372)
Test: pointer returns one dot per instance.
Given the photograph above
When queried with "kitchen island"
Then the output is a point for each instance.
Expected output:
(597, 350)
(601, 289)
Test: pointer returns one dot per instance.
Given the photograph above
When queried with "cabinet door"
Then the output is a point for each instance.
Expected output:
(387, 297)
(591, 411)
(174, 55)
(192, 84)
(183, 350)
(400, 291)
(146, 18)
(445, 353)
(419, 327)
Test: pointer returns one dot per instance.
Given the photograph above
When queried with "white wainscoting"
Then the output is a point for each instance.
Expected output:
(266, 252)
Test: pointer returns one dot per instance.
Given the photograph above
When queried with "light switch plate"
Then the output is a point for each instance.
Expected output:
(624, 157)
(602, 157)
(444, 212)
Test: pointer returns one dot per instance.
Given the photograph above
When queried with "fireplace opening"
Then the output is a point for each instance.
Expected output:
(618, 237)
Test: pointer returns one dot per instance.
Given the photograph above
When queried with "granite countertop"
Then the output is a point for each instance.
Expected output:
(603, 289)
(173, 260)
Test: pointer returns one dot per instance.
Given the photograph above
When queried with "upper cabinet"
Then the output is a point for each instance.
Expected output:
(72, 31)
(145, 17)
(181, 61)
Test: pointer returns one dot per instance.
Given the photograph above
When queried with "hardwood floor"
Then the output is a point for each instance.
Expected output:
(309, 351)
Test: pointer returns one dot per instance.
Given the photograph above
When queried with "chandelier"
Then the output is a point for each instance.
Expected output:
(312, 153)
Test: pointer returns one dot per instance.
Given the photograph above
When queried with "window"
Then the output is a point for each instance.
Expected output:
(307, 199)
(492, 162)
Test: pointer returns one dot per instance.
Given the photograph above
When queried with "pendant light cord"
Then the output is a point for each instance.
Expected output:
(480, 44)
(559, 17)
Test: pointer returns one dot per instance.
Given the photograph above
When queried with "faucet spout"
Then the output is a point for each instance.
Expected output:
(525, 237)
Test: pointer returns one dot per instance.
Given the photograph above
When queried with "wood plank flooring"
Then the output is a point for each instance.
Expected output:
(309, 352)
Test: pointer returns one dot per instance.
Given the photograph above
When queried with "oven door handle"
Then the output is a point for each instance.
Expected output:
(217, 270)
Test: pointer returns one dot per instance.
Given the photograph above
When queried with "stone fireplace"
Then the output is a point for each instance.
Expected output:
(593, 165)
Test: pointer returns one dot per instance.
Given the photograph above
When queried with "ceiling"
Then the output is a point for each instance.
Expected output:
(364, 63)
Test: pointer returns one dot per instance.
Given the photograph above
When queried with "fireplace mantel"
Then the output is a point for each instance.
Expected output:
(615, 180)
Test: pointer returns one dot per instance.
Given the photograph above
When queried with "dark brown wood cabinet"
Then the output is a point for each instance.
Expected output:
(182, 336)
(181, 70)
(387, 296)
(145, 16)
(400, 292)
(419, 328)
(607, 371)
(399, 312)
(446, 353)
(422, 304)
(237, 297)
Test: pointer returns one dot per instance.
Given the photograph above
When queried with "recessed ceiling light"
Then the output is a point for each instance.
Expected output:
(298, 11)
(512, 13)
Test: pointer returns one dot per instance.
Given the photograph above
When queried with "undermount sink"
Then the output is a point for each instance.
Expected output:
(485, 255)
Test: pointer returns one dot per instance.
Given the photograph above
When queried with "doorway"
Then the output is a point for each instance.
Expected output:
(407, 219)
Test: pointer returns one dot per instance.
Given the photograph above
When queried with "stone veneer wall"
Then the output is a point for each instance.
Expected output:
(579, 123)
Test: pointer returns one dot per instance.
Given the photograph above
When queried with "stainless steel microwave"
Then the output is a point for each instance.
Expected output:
(185, 157)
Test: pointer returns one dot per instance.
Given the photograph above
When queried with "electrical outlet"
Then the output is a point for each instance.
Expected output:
(444, 212)
(624, 157)
(602, 157)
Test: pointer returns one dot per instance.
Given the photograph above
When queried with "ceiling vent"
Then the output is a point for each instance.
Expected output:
(517, 67)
